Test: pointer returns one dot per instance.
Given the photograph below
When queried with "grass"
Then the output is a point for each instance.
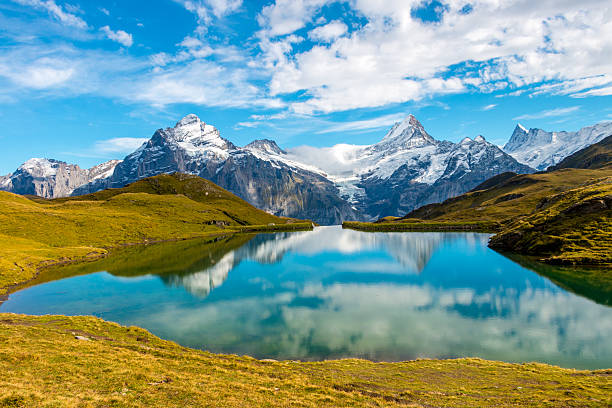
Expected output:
(45, 365)
(528, 212)
(573, 227)
(419, 225)
(37, 232)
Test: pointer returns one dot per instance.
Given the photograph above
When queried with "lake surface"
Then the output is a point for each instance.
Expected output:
(334, 293)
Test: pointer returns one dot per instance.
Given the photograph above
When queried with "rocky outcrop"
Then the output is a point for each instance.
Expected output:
(50, 178)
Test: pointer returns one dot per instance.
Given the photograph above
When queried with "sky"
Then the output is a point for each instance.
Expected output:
(87, 81)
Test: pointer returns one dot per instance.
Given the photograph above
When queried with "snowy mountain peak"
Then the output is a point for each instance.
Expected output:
(188, 120)
(191, 127)
(193, 136)
(407, 134)
(266, 146)
(40, 167)
(541, 149)
(480, 139)
(103, 170)
(521, 127)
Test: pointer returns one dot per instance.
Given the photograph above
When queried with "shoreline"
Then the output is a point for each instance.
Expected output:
(484, 227)
(85, 360)
(106, 251)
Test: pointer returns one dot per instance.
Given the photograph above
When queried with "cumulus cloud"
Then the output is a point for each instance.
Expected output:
(328, 32)
(397, 57)
(62, 14)
(119, 36)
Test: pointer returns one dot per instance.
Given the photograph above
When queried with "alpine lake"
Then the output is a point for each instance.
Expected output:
(337, 293)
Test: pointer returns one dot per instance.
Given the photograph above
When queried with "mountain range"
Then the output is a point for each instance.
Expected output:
(408, 168)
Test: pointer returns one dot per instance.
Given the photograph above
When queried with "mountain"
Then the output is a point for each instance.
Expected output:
(257, 172)
(541, 149)
(562, 215)
(595, 156)
(406, 169)
(50, 178)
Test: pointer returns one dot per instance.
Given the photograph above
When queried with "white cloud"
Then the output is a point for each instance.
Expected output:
(595, 92)
(376, 123)
(104, 11)
(222, 8)
(489, 107)
(119, 36)
(64, 16)
(287, 16)
(119, 145)
(396, 58)
(41, 73)
(548, 113)
(328, 32)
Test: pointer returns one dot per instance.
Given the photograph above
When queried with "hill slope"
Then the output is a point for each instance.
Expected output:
(573, 227)
(163, 207)
(562, 216)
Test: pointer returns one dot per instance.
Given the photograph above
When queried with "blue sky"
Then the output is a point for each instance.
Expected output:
(84, 81)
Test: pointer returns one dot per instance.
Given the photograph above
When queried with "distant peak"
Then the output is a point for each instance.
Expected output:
(480, 139)
(38, 161)
(466, 140)
(188, 120)
(409, 133)
(413, 121)
(521, 127)
(265, 145)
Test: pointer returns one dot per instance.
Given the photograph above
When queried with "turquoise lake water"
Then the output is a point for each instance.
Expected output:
(333, 293)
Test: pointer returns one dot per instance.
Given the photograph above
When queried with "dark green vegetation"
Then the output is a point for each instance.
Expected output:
(173, 258)
(562, 216)
(35, 232)
(587, 281)
(103, 364)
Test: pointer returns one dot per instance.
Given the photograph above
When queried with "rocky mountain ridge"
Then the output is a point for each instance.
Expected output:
(405, 170)
(541, 149)
(53, 178)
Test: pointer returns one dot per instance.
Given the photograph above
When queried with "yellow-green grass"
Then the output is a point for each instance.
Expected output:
(420, 225)
(44, 364)
(36, 232)
(573, 227)
(497, 205)
(522, 202)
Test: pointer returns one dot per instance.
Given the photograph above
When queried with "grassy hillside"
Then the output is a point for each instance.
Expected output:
(35, 232)
(46, 365)
(573, 227)
(503, 201)
(562, 216)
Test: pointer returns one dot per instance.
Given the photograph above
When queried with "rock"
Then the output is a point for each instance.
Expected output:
(587, 207)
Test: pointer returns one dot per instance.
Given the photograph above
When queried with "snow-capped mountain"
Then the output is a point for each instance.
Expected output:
(406, 169)
(541, 149)
(259, 172)
(52, 178)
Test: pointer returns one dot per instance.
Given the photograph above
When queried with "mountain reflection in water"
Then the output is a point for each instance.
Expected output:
(335, 293)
